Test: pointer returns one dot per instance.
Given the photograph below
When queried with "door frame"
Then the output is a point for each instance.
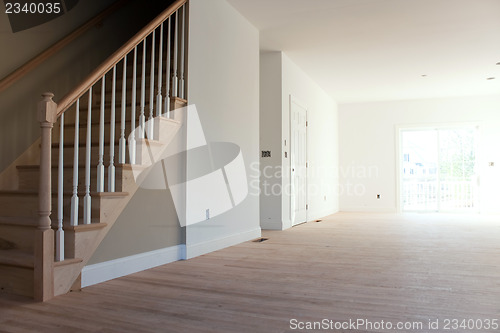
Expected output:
(293, 99)
(399, 128)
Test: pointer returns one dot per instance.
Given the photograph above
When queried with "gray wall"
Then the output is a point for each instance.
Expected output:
(224, 86)
(18, 125)
(270, 139)
(149, 222)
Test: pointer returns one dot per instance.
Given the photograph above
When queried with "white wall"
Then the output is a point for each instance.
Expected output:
(322, 145)
(224, 86)
(368, 146)
(270, 139)
(322, 142)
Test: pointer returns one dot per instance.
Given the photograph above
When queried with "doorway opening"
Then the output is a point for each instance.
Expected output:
(438, 169)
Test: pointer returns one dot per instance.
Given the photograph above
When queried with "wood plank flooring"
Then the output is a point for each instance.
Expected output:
(376, 267)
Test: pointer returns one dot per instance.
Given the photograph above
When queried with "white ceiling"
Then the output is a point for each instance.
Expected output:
(374, 50)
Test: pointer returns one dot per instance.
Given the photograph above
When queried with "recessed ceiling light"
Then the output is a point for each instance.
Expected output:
(423, 75)
(490, 78)
(498, 63)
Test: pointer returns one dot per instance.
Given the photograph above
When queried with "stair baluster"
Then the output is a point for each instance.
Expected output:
(60, 188)
(168, 74)
(74, 197)
(132, 146)
(100, 165)
(181, 69)
(160, 72)
(151, 89)
(87, 200)
(142, 117)
(175, 81)
(123, 143)
(112, 125)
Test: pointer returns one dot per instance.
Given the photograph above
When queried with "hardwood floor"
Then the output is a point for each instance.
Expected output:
(376, 267)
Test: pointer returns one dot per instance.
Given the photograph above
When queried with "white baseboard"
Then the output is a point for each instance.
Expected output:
(271, 225)
(368, 209)
(105, 271)
(319, 215)
(311, 216)
(195, 250)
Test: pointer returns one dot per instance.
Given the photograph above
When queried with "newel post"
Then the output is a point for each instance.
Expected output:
(44, 238)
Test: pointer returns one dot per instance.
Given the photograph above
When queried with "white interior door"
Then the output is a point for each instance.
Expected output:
(298, 161)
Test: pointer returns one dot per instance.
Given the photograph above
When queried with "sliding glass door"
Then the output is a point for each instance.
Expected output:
(438, 169)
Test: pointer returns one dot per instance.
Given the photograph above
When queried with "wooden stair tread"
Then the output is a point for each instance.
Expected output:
(126, 166)
(83, 125)
(16, 258)
(54, 193)
(109, 194)
(68, 261)
(68, 166)
(82, 145)
(85, 227)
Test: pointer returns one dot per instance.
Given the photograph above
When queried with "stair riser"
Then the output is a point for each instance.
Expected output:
(69, 133)
(16, 280)
(162, 132)
(18, 205)
(30, 178)
(96, 111)
(69, 129)
(27, 206)
(96, 99)
(108, 94)
(68, 155)
(96, 116)
(20, 238)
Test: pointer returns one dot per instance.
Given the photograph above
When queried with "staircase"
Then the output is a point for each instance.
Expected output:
(95, 142)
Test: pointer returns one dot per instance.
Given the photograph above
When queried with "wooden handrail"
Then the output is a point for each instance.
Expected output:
(41, 57)
(116, 57)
